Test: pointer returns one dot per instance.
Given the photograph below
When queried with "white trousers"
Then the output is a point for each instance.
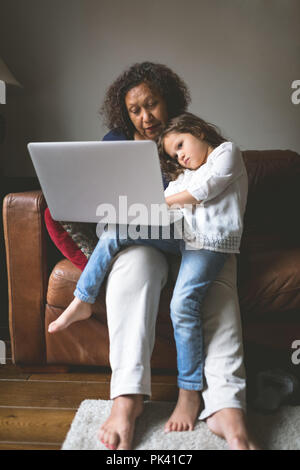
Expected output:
(133, 289)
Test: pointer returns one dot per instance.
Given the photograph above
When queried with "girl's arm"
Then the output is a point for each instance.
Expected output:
(180, 199)
(227, 167)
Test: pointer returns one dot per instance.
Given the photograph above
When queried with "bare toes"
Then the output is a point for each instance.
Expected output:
(105, 439)
(101, 433)
(168, 426)
(125, 441)
(104, 442)
(171, 427)
(113, 440)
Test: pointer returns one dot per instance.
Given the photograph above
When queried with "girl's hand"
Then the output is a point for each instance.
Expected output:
(180, 199)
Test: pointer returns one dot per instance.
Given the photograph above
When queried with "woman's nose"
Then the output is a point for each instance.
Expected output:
(146, 116)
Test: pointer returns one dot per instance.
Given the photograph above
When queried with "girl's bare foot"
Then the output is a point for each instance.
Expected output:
(117, 431)
(186, 411)
(77, 310)
(230, 424)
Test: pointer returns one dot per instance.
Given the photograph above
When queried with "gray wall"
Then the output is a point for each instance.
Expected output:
(239, 58)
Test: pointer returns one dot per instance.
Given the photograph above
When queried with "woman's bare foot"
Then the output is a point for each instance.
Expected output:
(76, 311)
(230, 424)
(186, 411)
(117, 431)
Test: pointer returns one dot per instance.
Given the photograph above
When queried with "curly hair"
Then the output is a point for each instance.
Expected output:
(159, 78)
(186, 123)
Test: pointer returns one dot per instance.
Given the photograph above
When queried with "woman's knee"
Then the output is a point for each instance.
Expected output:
(140, 264)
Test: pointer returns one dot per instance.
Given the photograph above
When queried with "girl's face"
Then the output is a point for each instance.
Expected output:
(147, 111)
(190, 151)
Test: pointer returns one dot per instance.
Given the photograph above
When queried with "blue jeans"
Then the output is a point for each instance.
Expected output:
(198, 269)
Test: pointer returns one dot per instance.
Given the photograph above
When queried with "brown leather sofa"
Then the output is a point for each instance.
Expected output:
(41, 286)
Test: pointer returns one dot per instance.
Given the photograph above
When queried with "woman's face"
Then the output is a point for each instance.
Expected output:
(147, 110)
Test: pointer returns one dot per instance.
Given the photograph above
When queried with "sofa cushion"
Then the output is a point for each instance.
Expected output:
(271, 220)
(61, 286)
(269, 281)
(86, 342)
(62, 283)
(82, 343)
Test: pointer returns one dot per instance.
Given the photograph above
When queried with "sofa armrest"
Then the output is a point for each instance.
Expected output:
(27, 272)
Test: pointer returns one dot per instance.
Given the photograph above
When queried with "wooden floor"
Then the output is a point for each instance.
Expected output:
(38, 406)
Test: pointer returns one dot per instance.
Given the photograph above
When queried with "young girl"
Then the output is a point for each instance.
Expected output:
(209, 184)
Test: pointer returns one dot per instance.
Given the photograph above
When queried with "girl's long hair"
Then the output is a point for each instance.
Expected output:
(186, 123)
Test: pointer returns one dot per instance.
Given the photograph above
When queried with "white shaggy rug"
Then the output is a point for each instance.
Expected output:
(275, 431)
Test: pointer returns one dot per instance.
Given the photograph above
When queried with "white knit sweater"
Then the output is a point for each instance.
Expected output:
(221, 186)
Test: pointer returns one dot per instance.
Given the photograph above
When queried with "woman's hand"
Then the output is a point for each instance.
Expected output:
(180, 199)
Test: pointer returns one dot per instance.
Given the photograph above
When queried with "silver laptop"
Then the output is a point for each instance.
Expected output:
(103, 182)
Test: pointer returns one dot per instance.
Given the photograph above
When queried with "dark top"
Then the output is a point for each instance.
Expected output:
(115, 134)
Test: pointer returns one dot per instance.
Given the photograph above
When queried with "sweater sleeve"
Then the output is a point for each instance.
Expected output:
(227, 166)
(174, 186)
(114, 134)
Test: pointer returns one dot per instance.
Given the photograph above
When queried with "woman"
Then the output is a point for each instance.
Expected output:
(137, 106)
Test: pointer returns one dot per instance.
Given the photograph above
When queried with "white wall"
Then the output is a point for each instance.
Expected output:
(239, 58)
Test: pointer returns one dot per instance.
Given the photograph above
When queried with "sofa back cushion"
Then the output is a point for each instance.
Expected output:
(272, 214)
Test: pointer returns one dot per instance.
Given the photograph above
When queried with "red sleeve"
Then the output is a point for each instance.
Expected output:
(64, 242)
